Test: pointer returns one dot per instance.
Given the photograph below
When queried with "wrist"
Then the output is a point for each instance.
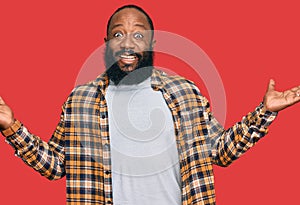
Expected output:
(10, 124)
(12, 129)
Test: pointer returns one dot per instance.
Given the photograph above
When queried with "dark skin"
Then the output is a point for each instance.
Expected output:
(129, 29)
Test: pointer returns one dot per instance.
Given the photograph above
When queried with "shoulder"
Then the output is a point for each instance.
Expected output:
(183, 90)
(88, 91)
(177, 83)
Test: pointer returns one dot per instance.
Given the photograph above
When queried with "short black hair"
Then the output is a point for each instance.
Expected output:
(133, 7)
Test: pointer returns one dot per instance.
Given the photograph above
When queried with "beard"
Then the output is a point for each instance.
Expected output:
(142, 71)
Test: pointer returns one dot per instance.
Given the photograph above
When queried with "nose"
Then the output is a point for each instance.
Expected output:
(127, 42)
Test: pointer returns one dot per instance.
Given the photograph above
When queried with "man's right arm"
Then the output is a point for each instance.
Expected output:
(46, 158)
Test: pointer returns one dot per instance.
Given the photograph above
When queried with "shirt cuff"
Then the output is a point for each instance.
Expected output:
(261, 118)
(12, 129)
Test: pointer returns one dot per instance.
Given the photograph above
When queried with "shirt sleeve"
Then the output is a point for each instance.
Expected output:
(46, 158)
(228, 145)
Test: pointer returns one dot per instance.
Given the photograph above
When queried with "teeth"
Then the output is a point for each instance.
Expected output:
(128, 57)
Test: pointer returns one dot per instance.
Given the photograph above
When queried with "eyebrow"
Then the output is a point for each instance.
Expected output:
(138, 25)
(141, 25)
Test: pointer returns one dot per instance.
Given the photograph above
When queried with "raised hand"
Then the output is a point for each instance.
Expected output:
(6, 115)
(276, 101)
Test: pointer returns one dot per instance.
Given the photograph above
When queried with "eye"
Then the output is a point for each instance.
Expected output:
(118, 35)
(138, 36)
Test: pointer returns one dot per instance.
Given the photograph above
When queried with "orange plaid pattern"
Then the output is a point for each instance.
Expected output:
(80, 145)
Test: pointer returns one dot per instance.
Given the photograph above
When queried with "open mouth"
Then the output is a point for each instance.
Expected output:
(127, 59)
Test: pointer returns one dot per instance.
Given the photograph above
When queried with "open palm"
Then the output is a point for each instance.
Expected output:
(6, 115)
(276, 101)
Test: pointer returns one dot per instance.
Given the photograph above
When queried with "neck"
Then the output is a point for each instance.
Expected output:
(134, 77)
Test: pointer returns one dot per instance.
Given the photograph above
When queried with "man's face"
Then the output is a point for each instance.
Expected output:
(129, 40)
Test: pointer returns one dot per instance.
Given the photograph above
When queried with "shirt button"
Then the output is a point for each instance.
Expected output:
(107, 172)
(102, 116)
(109, 202)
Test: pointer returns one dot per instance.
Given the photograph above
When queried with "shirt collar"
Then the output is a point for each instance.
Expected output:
(102, 81)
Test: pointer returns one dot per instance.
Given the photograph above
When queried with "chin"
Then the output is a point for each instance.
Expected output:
(127, 68)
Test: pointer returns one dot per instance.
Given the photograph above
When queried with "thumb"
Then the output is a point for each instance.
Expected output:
(271, 85)
(2, 101)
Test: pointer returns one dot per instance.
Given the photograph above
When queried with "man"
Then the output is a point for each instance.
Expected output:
(105, 148)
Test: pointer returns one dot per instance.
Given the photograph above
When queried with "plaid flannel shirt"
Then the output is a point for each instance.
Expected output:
(80, 145)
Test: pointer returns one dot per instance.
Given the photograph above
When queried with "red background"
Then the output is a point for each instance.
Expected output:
(44, 44)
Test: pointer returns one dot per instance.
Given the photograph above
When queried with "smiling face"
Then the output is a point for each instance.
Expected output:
(129, 40)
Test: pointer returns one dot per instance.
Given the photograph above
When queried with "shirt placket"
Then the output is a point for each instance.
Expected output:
(105, 141)
(175, 110)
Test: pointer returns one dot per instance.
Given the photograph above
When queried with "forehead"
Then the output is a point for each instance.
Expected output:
(129, 17)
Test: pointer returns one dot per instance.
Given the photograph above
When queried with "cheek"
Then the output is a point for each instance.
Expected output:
(113, 45)
(142, 47)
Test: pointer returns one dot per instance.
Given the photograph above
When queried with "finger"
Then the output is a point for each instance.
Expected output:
(295, 89)
(271, 85)
(2, 101)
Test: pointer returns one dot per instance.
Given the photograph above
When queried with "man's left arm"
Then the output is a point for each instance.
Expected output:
(228, 145)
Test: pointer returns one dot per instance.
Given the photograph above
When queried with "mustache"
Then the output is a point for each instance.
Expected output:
(127, 52)
(116, 75)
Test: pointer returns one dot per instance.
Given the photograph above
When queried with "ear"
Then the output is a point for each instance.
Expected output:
(105, 40)
(153, 43)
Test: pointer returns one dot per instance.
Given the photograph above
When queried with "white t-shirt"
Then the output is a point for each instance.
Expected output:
(145, 164)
